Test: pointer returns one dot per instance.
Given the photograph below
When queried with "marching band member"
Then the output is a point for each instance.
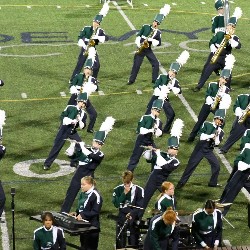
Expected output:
(241, 123)
(148, 36)
(128, 197)
(49, 236)
(84, 82)
(163, 163)
(207, 226)
(90, 36)
(164, 84)
(211, 135)
(218, 24)
(72, 117)
(239, 178)
(89, 159)
(162, 227)
(217, 97)
(166, 198)
(148, 126)
(231, 41)
(89, 208)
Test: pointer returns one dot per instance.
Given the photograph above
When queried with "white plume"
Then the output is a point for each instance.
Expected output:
(165, 10)
(177, 127)
(89, 88)
(237, 13)
(225, 102)
(182, 59)
(108, 124)
(91, 52)
(2, 118)
(105, 9)
(229, 62)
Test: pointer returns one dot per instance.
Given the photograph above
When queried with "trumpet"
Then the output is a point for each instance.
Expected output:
(245, 114)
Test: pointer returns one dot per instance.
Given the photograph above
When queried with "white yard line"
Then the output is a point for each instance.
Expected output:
(185, 103)
(5, 235)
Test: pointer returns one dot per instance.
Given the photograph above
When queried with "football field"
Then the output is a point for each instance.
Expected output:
(38, 50)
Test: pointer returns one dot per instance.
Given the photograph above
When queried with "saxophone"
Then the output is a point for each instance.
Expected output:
(223, 43)
(145, 43)
(91, 42)
(245, 114)
(217, 98)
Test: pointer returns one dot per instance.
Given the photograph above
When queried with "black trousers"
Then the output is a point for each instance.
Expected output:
(168, 110)
(154, 182)
(2, 199)
(75, 186)
(236, 182)
(80, 63)
(208, 69)
(64, 132)
(237, 131)
(89, 241)
(144, 140)
(201, 150)
(138, 59)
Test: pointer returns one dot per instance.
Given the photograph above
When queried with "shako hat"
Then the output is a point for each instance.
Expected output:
(82, 97)
(219, 4)
(101, 135)
(176, 133)
(103, 12)
(157, 104)
(220, 113)
(163, 13)
(180, 61)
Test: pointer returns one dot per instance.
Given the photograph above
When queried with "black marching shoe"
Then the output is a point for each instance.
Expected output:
(196, 89)
(221, 151)
(180, 185)
(45, 167)
(190, 139)
(130, 82)
(90, 131)
(212, 185)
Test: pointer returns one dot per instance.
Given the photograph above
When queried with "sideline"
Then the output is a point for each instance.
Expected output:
(186, 105)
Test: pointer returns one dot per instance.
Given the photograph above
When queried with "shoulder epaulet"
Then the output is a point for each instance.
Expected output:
(98, 197)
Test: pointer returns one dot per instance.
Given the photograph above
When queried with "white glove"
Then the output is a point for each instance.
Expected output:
(238, 111)
(233, 43)
(213, 48)
(158, 132)
(81, 43)
(209, 100)
(150, 39)
(71, 149)
(176, 90)
(81, 124)
(155, 42)
(137, 41)
(157, 91)
(243, 166)
(73, 90)
(147, 154)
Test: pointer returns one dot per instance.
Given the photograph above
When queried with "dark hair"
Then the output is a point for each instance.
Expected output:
(47, 214)
(210, 204)
(127, 176)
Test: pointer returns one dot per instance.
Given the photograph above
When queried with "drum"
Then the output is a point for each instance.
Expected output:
(143, 224)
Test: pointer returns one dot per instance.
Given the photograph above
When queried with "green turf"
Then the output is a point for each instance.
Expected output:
(32, 123)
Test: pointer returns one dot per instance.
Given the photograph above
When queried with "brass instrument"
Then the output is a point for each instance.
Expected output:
(221, 47)
(245, 114)
(217, 98)
(145, 43)
(91, 42)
